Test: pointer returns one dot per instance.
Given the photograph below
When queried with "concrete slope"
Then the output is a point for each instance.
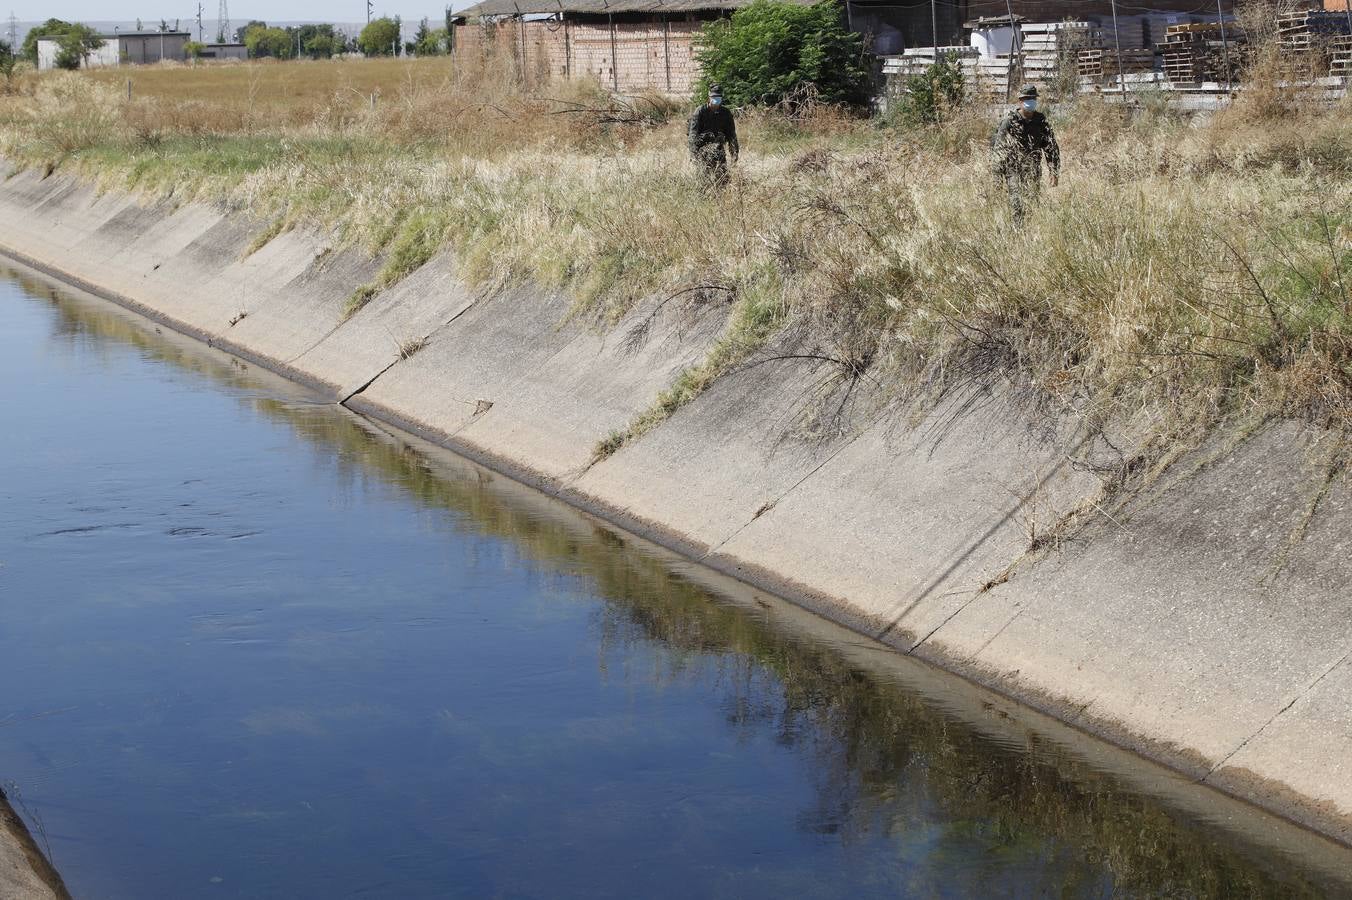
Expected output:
(25, 873)
(1206, 625)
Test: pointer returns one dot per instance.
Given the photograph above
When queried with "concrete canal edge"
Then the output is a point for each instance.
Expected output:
(25, 873)
(1207, 625)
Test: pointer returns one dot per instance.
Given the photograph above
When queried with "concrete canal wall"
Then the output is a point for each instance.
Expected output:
(25, 873)
(1205, 624)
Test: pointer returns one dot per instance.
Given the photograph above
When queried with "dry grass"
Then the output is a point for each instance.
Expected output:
(1183, 274)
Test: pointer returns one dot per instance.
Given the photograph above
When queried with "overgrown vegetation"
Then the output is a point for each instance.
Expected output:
(930, 96)
(1182, 274)
(7, 61)
(380, 37)
(770, 53)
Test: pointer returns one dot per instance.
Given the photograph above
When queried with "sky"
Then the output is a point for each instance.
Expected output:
(241, 11)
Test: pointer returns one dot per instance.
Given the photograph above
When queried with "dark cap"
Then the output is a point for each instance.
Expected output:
(1028, 91)
(715, 89)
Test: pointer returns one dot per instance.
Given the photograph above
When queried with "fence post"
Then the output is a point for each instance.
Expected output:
(1117, 43)
(614, 56)
(1225, 45)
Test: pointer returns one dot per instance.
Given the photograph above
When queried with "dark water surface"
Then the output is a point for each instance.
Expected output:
(253, 646)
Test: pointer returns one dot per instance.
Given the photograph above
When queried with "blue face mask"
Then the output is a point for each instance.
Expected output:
(715, 101)
(1030, 105)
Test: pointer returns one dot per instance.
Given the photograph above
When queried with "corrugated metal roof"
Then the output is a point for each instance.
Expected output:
(600, 7)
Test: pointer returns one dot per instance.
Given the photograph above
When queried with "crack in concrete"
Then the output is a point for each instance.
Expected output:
(400, 358)
(370, 381)
(1294, 700)
(790, 489)
(991, 640)
(1066, 459)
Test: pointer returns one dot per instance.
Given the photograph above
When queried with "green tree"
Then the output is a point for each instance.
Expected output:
(193, 50)
(74, 45)
(7, 63)
(261, 41)
(770, 52)
(379, 37)
(419, 38)
(50, 28)
(430, 41)
(244, 29)
(321, 46)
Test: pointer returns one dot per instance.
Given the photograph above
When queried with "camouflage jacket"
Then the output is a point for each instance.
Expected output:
(1019, 144)
(710, 125)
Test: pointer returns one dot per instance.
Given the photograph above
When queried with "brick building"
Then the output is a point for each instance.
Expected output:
(630, 46)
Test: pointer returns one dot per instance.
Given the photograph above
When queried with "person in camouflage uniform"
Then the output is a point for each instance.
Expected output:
(711, 135)
(1023, 138)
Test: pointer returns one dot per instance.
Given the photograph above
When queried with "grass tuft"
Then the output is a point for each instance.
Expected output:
(1184, 273)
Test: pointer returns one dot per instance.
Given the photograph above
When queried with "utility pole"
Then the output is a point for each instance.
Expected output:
(370, 4)
(199, 23)
(1117, 42)
(1015, 50)
(1347, 48)
(223, 34)
(1225, 45)
(13, 31)
(934, 27)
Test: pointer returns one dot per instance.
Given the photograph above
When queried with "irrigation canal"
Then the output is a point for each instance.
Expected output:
(253, 645)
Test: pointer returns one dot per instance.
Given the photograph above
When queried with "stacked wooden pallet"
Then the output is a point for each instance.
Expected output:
(1310, 29)
(982, 76)
(990, 78)
(1340, 56)
(916, 60)
(1103, 62)
(1047, 45)
(1200, 51)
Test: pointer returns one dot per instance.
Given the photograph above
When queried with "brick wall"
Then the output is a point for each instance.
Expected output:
(635, 57)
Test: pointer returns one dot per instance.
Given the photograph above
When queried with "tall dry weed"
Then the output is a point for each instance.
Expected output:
(1182, 273)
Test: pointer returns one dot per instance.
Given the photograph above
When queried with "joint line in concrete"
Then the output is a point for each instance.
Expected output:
(1303, 692)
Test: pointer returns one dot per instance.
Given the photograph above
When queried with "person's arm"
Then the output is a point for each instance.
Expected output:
(692, 131)
(1053, 154)
(732, 136)
(1000, 144)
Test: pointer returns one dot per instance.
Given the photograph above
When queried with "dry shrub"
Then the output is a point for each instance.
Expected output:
(1183, 273)
(66, 114)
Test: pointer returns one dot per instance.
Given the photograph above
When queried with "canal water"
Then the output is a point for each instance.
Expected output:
(255, 646)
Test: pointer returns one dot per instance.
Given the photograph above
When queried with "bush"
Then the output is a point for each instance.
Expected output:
(772, 52)
(931, 95)
(73, 46)
(379, 37)
(50, 28)
(263, 41)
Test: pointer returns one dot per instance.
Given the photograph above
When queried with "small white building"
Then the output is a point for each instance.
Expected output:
(123, 48)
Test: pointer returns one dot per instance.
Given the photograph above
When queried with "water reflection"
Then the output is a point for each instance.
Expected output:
(920, 801)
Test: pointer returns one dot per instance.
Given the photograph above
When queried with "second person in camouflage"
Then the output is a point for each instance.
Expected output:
(1023, 138)
(710, 131)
